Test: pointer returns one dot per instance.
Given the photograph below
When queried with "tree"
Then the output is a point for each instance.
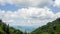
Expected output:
(54, 27)
(8, 31)
(51, 32)
(6, 28)
(0, 20)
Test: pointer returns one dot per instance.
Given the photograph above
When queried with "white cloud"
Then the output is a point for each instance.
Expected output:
(2, 2)
(58, 15)
(28, 3)
(29, 16)
(57, 3)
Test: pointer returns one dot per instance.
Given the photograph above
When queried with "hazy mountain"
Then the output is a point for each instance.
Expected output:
(27, 28)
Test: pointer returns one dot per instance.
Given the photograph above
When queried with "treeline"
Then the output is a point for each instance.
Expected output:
(6, 29)
(51, 28)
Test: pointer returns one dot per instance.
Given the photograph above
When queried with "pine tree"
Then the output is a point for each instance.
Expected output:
(4, 27)
(8, 31)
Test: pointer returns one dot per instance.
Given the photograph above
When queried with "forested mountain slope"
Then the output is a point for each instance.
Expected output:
(6, 29)
(51, 28)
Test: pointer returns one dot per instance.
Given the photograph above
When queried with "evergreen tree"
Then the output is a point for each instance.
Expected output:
(8, 31)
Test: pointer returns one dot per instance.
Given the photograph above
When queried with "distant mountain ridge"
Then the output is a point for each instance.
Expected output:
(27, 28)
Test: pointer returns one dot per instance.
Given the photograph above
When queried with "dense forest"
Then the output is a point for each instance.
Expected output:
(6, 29)
(51, 28)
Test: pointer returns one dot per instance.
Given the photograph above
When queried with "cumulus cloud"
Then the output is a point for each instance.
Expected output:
(57, 3)
(29, 16)
(27, 3)
(58, 14)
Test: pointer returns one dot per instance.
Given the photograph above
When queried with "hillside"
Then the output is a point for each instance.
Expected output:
(51, 28)
(6, 29)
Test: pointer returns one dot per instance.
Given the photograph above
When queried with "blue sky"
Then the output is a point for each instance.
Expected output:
(54, 9)
(9, 7)
(29, 12)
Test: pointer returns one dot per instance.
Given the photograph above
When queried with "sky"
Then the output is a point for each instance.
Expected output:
(29, 12)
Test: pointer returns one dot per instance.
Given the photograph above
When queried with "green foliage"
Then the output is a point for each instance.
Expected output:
(51, 28)
(6, 29)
